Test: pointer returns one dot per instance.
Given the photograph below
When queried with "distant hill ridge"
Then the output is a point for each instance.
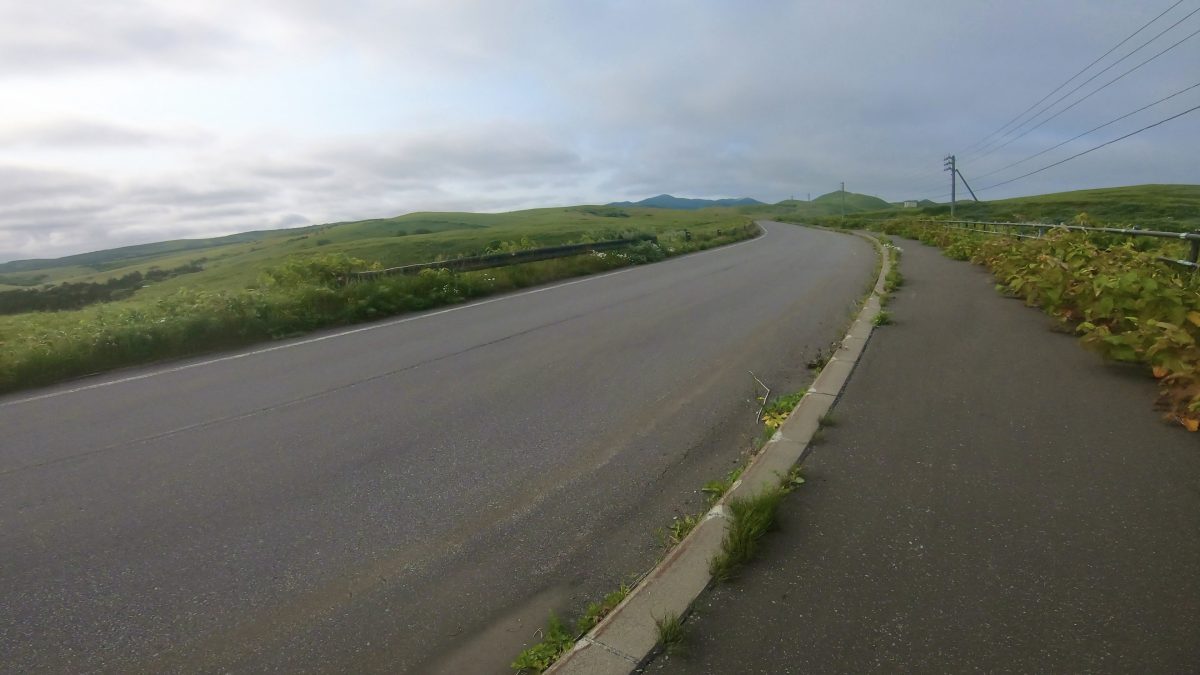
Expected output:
(665, 201)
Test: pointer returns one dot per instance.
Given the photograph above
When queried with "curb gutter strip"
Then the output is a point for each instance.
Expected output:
(625, 638)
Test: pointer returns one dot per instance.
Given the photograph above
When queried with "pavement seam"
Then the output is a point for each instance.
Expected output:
(610, 649)
(677, 580)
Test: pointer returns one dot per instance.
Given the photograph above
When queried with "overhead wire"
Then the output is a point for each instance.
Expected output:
(1001, 143)
(1089, 131)
(981, 142)
(1092, 149)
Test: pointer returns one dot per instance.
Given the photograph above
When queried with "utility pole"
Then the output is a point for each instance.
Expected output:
(948, 164)
(843, 199)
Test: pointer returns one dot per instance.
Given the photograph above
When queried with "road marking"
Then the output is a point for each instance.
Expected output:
(352, 331)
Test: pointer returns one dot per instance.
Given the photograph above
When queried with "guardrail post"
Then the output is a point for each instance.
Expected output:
(1195, 253)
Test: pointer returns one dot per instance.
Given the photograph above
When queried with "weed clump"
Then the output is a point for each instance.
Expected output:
(752, 518)
(558, 638)
(715, 489)
(671, 635)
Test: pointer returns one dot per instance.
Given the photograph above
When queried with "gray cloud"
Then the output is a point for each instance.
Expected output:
(58, 35)
(88, 134)
(466, 153)
(22, 185)
(539, 102)
(173, 194)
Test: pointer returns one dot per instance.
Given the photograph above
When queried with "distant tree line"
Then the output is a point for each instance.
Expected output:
(74, 295)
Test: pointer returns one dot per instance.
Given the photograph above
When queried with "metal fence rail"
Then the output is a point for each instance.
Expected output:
(990, 227)
(481, 262)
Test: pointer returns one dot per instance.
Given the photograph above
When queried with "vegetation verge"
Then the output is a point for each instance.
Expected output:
(298, 296)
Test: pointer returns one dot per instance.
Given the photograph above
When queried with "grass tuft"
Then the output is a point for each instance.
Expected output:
(671, 635)
(882, 319)
(557, 638)
(680, 528)
(752, 518)
(555, 642)
(715, 489)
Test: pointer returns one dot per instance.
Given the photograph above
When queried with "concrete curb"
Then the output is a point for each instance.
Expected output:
(628, 636)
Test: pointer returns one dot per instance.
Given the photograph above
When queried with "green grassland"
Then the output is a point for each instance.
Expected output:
(237, 261)
(266, 285)
(1159, 207)
(827, 205)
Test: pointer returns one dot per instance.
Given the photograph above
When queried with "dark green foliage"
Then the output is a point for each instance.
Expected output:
(75, 295)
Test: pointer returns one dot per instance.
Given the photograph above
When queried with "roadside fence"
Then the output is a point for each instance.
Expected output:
(481, 262)
(1022, 230)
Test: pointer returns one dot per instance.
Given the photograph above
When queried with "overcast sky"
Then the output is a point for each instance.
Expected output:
(133, 121)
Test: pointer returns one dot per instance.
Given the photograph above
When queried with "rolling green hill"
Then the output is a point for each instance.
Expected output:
(84, 314)
(236, 261)
(831, 204)
(1170, 207)
(673, 202)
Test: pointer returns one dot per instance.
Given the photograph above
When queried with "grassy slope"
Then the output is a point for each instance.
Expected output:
(238, 265)
(1169, 207)
(826, 205)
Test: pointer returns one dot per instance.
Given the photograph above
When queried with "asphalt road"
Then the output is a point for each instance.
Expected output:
(407, 496)
(993, 499)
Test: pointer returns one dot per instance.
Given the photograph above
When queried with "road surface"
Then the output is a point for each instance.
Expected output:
(994, 499)
(375, 499)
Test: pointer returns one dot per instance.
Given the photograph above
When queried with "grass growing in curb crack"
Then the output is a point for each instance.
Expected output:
(557, 638)
(680, 528)
(826, 420)
(671, 635)
(752, 518)
(715, 489)
(882, 319)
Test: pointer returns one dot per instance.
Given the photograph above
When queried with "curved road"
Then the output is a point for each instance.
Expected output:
(375, 499)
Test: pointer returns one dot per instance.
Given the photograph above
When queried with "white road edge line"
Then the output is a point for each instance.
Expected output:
(352, 331)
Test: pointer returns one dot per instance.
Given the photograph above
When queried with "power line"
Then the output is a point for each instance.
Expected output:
(1093, 129)
(985, 151)
(1093, 92)
(981, 141)
(1081, 154)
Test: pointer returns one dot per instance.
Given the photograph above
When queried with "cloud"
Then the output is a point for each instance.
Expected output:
(40, 38)
(90, 134)
(370, 108)
(45, 212)
(482, 152)
(24, 185)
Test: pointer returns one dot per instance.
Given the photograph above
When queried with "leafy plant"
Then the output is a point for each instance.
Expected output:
(557, 639)
(793, 480)
(555, 642)
(775, 414)
(715, 489)
(681, 526)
